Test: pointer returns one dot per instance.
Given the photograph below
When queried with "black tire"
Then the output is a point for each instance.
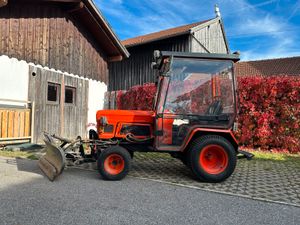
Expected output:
(114, 163)
(184, 159)
(218, 158)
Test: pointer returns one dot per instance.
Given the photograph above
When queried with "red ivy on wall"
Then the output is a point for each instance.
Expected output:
(137, 97)
(269, 110)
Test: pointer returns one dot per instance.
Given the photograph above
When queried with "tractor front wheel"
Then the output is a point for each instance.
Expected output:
(114, 163)
(212, 158)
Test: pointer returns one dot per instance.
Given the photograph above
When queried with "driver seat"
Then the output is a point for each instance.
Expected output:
(215, 108)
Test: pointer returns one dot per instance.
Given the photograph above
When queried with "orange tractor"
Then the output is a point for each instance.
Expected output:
(193, 119)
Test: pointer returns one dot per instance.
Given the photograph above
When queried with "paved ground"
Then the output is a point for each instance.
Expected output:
(256, 179)
(82, 197)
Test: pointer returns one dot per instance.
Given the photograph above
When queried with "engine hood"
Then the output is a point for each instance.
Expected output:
(129, 116)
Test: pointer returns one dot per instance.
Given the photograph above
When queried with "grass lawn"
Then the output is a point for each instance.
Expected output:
(20, 154)
(260, 155)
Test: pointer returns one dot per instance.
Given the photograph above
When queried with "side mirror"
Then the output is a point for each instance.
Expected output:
(154, 65)
(157, 58)
(156, 54)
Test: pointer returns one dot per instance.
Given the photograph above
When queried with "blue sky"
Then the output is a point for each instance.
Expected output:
(259, 29)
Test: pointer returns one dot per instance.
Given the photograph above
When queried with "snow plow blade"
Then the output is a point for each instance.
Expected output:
(53, 163)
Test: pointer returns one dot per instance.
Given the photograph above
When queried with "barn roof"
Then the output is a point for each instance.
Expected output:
(173, 32)
(94, 18)
(269, 67)
(91, 17)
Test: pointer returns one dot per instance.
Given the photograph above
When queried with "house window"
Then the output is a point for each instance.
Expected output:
(53, 92)
(70, 93)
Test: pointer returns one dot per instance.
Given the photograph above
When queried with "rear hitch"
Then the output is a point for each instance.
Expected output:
(244, 154)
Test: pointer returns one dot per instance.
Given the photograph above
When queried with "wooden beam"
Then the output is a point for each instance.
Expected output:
(115, 58)
(62, 1)
(79, 6)
(16, 124)
(27, 123)
(3, 3)
(22, 124)
(4, 124)
(14, 138)
(55, 1)
(10, 129)
(197, 40)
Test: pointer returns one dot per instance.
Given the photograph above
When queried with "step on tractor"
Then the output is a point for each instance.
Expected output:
(193, 119)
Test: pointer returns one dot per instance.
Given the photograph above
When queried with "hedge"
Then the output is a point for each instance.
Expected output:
(269, 115)
(269, 110)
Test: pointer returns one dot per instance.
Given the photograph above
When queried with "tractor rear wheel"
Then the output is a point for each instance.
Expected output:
(114, 163)
(212, 158)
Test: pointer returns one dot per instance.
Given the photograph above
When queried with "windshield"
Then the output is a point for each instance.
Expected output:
(201, 87)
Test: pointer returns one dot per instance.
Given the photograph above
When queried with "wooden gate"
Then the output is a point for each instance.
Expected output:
(60, 103)
(15, 122)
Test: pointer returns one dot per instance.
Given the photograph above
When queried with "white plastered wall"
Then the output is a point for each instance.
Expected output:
(13, 80)
(97, 90)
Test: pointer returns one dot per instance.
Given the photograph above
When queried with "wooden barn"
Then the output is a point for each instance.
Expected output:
(54, 57)
(205, 36)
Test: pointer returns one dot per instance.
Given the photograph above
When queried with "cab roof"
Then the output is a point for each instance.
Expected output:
(233, 57)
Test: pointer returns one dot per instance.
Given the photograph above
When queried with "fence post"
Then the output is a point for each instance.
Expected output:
(32, 121)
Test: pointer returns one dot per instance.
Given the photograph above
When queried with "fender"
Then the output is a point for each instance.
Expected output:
(228, 134)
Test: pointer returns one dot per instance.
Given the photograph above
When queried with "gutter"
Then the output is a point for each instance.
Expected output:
(160, 38)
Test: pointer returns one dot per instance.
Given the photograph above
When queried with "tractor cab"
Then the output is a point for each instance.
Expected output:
(195, 91)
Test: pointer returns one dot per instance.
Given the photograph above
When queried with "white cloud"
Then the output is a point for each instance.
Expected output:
(265, 33)
(152, 15)
(296, 9)
(271, 33)
(117, 1)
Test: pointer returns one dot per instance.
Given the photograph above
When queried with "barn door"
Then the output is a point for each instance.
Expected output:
(60, 103)
(75, 106)
(44, 90)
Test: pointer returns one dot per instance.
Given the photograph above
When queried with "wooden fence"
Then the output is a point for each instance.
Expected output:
(16, 123)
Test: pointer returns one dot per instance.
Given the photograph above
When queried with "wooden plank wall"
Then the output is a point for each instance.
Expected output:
(211, 37)
(15, 123)
(75, 115)
(67, 120)
(46, 34)
(136, 70)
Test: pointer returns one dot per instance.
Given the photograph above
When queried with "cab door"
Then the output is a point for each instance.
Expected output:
(165, 129)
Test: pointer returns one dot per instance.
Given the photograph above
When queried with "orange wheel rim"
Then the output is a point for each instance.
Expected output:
(213, 159)
(114, 164)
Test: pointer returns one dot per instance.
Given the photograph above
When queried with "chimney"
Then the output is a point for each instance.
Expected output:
(3, 3)
(217, 11)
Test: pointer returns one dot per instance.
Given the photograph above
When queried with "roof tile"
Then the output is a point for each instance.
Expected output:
(161, 34)
(269, 67)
